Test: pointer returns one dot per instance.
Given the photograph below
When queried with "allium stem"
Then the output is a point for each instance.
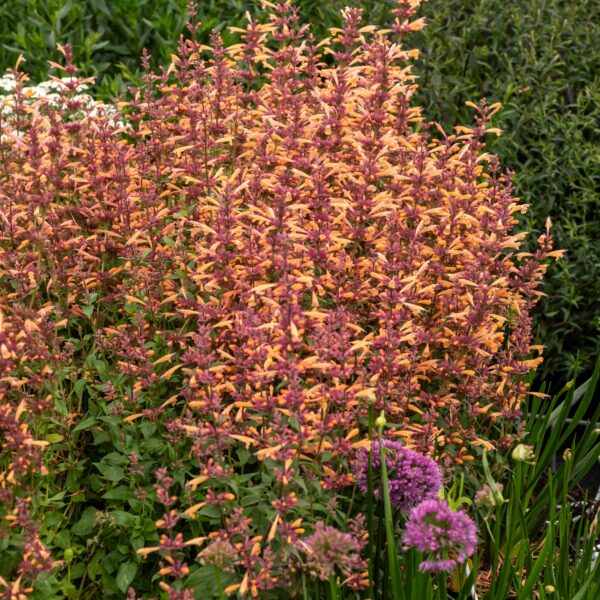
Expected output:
(219, 584)
(333, 588)
(442, 585)
(304, 590)
(370, 503)
(389, 520)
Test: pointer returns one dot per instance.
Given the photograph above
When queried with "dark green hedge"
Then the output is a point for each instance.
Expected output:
(540, 58)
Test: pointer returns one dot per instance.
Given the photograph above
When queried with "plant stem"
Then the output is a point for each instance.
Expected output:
(389, 521)
(219, 584)
(333, 588)
(370, 505)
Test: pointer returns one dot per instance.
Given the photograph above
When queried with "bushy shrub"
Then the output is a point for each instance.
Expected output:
(203, 297)
(539, 59)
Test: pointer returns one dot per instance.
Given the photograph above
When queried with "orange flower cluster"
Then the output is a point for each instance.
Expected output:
(25, 371)
(270, 240)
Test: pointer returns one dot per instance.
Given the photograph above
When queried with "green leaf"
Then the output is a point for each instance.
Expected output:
(211, 511)
(123, 519)
(147, 428)
(110, 472)
(86, 523)
(85, 424)
(121, 492)
(95, 564)
(62, 539)
(125, 575)
(79, 387)
(88, 311)
(202, 579)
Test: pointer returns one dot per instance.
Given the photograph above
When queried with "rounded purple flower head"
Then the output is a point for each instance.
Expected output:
(413, 477)
(450, 537)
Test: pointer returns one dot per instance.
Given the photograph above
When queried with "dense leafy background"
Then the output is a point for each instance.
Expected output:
(539, 59)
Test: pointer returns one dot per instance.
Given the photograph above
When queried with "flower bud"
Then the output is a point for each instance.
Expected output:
(370, 398)
(550, 589)
(523, 453)
(380, 421)
(68, 555)
(488, 497)
(568, 386)
(567, 455)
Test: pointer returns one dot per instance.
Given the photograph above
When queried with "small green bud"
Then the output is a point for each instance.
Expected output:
(550, 589)
(567, 455)
(380, 421)
(569, 384)
(523, 453)
(68, 555)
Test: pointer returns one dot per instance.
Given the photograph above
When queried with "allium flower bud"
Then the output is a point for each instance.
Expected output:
(380, 421)
(412, 477)
(451, 537)
(549, 589)
(567, 455)
(523, 453)
(487, 497)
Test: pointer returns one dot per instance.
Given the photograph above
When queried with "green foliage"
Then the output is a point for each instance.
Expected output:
(108, 36)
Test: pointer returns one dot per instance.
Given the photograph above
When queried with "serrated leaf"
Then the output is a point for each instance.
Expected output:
(111, 472)
(123, 518)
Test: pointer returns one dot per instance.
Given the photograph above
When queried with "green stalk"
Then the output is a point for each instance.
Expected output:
(333, 588)
(219, 584)
(370, 504)
(442, 586)
(304, 590)
(389, 518)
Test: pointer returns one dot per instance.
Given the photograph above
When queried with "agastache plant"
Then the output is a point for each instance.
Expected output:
(269, 234)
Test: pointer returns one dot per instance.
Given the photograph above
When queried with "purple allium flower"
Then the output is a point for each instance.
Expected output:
(450, 536)
(413, 477)
(328, 548)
